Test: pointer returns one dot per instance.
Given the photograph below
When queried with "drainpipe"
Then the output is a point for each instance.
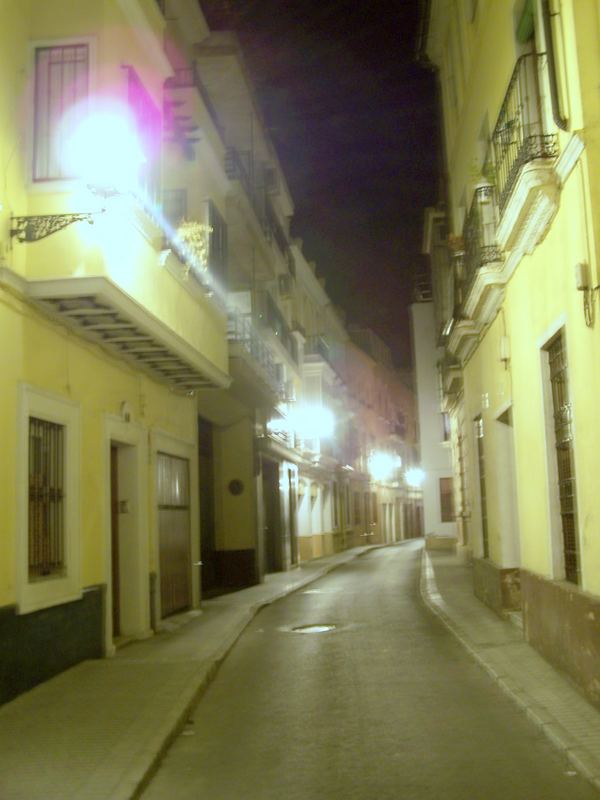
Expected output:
(561, 122)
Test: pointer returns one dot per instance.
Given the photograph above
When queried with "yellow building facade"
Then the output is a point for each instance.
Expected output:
(153, 349)
(517, 307)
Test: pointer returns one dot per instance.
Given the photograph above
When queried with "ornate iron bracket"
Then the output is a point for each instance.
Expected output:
(36, 227)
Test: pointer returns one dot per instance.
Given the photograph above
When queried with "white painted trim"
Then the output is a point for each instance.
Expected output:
(569, 158)
(34, 595)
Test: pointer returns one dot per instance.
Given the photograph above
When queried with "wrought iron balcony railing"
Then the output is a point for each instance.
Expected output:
(519, 136)
(479, 233)
(241, 330)
(189, 78)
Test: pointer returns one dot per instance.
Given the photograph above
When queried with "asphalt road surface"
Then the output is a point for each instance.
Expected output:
(386, 706)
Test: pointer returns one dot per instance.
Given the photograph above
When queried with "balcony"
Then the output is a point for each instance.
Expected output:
(451, 381)
(188, 78)
(271, 317)
(252, 364)
(522, 160)
(482, 259)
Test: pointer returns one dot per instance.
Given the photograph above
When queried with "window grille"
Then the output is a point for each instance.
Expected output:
(482, 487)
(447, 499)
(46, 498)
(562, 414)
(61, 85)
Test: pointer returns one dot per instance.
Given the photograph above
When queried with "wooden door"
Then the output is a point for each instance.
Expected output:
(174, 533)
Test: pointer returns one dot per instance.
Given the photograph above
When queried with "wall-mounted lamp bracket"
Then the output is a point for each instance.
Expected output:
(582, 283)
(39, 226)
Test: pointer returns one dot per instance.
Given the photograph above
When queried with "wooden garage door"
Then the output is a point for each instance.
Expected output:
(174, 533)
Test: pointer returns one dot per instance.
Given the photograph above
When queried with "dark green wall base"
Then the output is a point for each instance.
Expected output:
(37, 646)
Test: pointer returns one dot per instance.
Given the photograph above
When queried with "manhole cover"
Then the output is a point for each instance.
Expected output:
(313, 628)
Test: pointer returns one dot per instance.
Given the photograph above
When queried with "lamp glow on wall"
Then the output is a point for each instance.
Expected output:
(414, 477)
(103, 149)
(313, 422)
(382, 465)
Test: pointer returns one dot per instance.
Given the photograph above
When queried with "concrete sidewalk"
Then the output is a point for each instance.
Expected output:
(97, 730)
(548, 697)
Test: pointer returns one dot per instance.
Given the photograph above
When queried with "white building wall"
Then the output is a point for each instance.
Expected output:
(436, 459)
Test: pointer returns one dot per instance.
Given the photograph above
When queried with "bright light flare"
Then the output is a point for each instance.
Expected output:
(415, 477)
(383, 465)
(103, 149)
(313, 422)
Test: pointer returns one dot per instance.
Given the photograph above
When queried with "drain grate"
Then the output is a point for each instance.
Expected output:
(321, 628)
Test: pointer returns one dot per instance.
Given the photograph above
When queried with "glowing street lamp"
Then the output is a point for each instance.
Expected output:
(103, 149)
(313, 422)
(382, 465)
(414, 477)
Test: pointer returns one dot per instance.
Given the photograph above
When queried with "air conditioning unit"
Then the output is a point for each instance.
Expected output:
(285, 285)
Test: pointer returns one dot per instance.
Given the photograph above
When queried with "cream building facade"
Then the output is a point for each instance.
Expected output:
(516, 304)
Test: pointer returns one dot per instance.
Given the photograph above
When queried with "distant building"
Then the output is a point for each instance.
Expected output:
(439, 507)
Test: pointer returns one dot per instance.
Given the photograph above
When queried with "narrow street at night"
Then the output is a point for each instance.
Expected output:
(387, 704)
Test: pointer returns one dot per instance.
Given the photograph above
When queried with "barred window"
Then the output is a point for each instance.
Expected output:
(46, 499)
(61, 85)
(482, 487)
(563, 441)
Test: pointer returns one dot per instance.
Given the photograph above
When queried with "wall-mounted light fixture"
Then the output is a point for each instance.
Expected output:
(582, 283)
(103, 151)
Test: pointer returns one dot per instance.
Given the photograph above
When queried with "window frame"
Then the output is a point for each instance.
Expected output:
(54, 184)
(43, 592)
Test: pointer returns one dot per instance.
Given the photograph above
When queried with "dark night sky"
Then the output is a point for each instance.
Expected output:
(353, 120)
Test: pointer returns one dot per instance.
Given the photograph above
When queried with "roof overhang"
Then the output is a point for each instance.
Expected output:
(101, 312)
